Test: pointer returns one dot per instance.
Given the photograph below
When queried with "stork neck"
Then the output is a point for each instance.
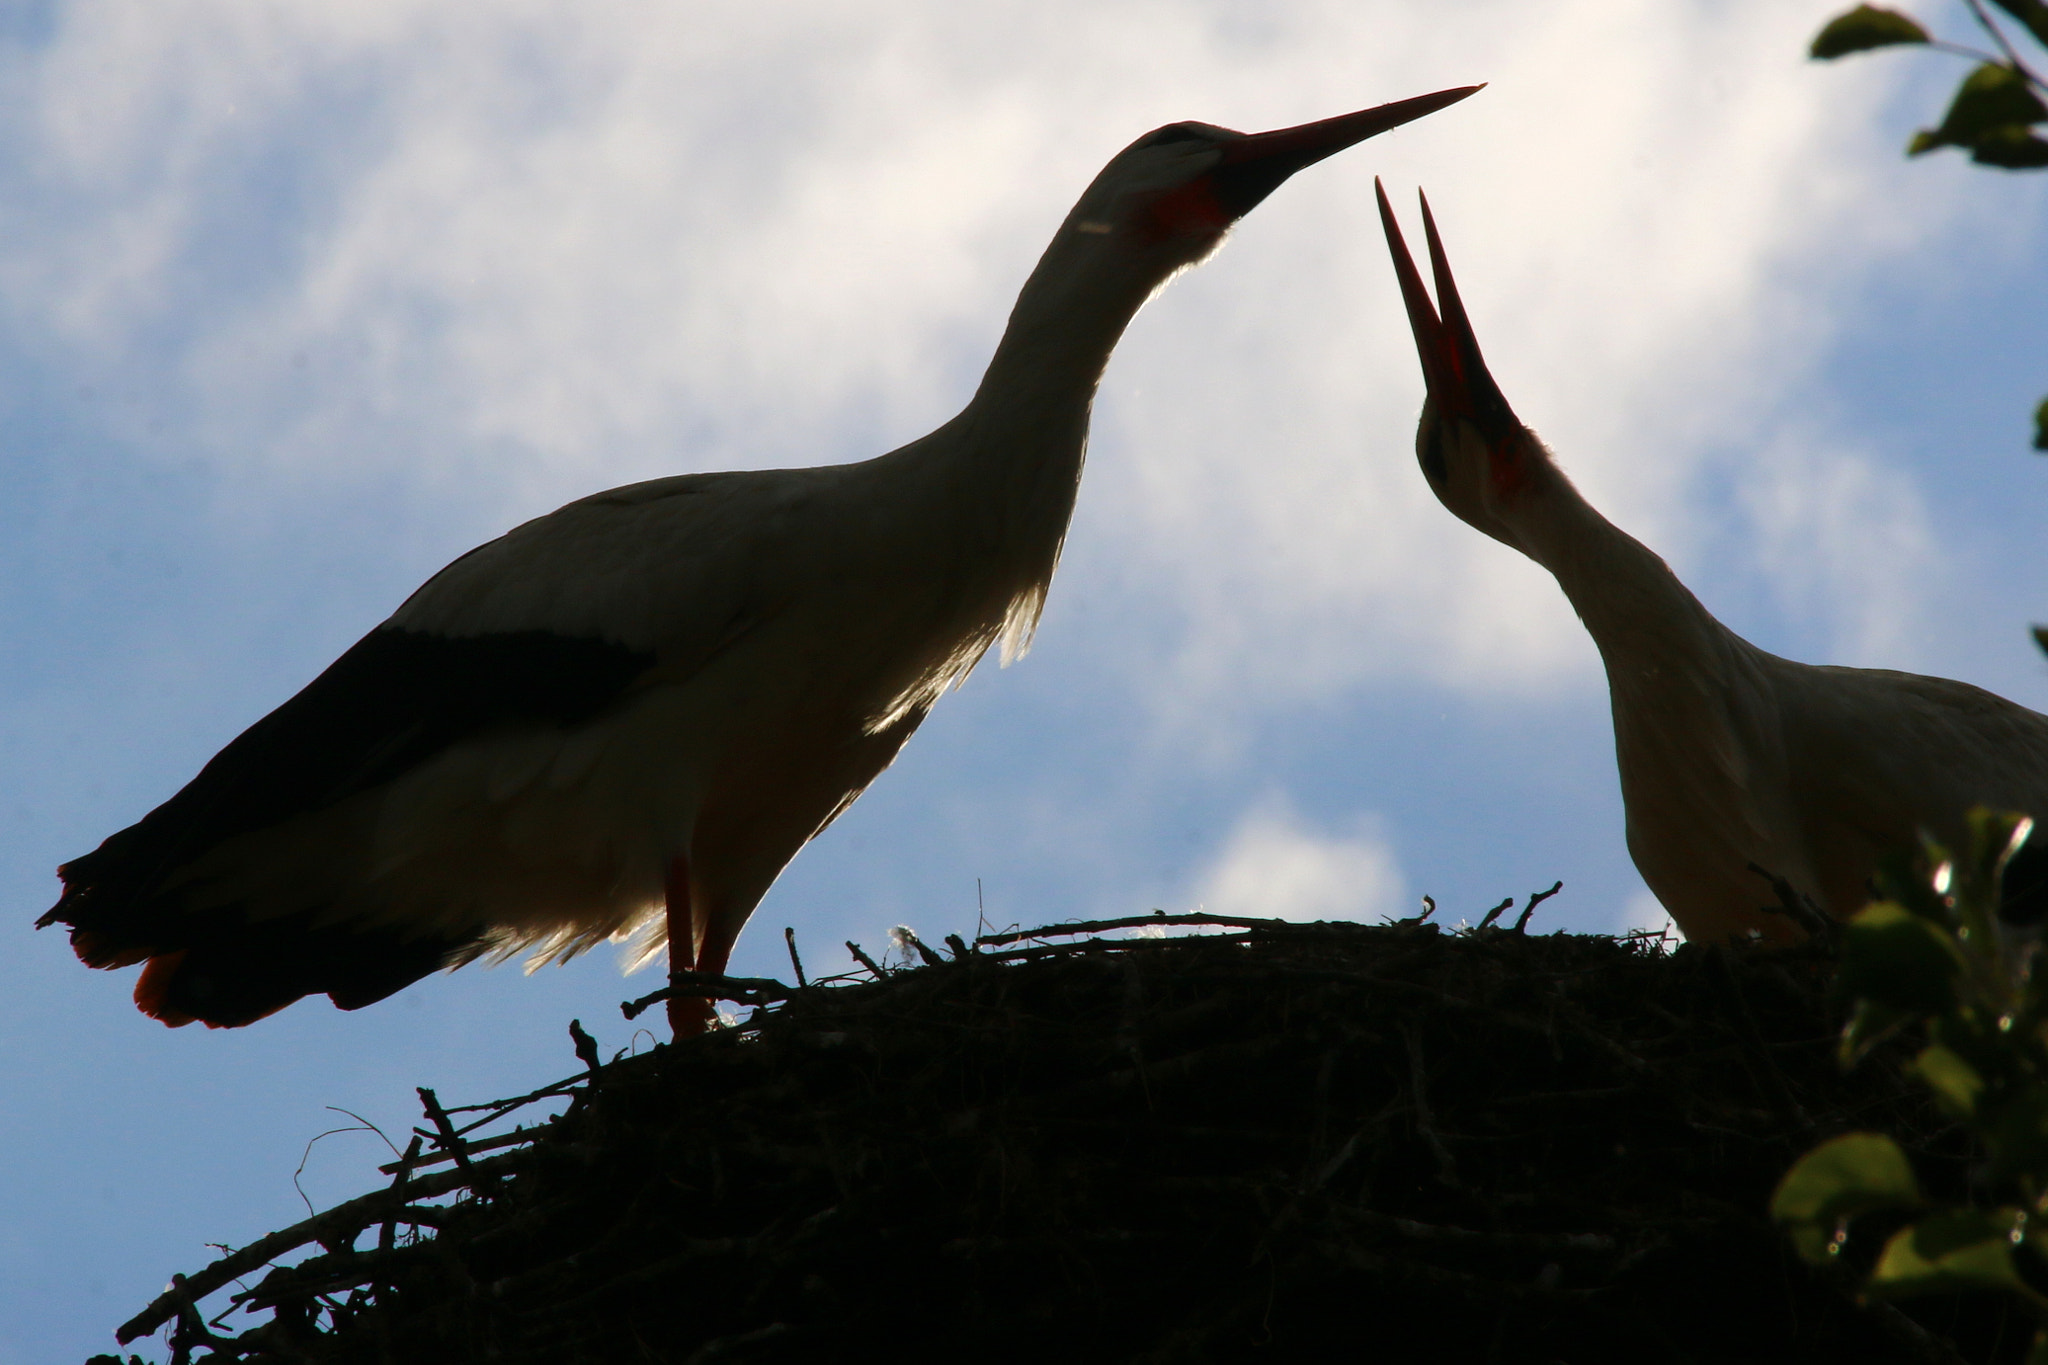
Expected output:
(1068, 318)
(1628, 598)
(1025, 432)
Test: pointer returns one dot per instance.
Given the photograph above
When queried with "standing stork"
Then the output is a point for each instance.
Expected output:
(1731, 759)
(653, 697)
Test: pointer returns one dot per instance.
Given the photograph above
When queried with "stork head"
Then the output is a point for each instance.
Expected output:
(1481, 462)
(1170, 197)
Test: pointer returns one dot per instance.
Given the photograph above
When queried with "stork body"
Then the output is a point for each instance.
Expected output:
(653, 697)
(1730, 757)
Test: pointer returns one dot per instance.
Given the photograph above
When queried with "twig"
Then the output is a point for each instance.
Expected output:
(437, 1157)
(2004, 43)
(1798, 907)
(1446, 1165)
(796, 963)
(387, 1235)
(865, 960)
(498, 1108)
(1496, 912)
(586, 1048)
(746, 990)
(1536, 898)
(451, 1142)
(356, 1214)
(1082, 927)
(925, 955)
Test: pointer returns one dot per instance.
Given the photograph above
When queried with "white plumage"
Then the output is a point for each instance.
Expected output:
(654, 696)
(1730, 757)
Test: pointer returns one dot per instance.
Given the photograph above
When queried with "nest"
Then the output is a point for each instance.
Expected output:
(1268, 1140)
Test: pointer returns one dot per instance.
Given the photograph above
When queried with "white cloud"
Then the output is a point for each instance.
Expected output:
(1275, 866)
(1847, 544)
(494, 256)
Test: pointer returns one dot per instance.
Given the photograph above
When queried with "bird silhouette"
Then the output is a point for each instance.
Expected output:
(652, 698)
(1733, 761)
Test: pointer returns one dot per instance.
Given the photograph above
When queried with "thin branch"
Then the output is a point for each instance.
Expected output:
(1081, 927)
(2012, 55)
(795, 962)
(355, 1215)
(1536, 898)
(865, 960)
(744, 990)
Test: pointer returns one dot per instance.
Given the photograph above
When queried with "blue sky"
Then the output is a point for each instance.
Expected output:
(299, 301)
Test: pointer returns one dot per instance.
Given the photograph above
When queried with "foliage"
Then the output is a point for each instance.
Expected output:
(1931, 955)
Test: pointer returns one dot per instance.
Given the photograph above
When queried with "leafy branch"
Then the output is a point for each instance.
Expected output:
(1997, 108)
(1931, 954)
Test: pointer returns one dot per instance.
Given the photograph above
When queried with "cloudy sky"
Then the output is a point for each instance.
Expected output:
(300, 300)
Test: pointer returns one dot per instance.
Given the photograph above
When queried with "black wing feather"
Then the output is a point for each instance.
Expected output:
(394, 700)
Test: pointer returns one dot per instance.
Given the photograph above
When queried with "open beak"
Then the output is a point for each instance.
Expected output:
(1451, 364)
(1254, 166)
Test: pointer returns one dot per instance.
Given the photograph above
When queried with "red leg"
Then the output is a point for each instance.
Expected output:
(688, 1016)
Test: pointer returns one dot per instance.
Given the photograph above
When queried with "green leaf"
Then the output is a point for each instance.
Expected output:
(2011, 149)
(2041, 632)
(1869, 1025)
(1844, 1176)
(1897, 959)
(2041, 443)
(1954, 1250)
(1916, 880)
(1995, 836)
(1992, 106)
(1862, 29)
(2032, 13)
(1950, 1077)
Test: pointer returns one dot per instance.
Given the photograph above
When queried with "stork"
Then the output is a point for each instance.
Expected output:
(650, 699)
(1731, 759)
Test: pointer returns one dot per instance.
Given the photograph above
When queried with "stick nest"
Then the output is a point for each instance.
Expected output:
(1276, 1142)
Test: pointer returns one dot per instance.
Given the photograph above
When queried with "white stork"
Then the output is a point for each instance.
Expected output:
(656, 695)
(1731, 758)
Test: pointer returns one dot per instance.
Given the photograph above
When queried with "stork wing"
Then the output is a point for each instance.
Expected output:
(395, 699)
(549, 625)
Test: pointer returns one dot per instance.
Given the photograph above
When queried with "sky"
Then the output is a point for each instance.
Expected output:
(299, 301)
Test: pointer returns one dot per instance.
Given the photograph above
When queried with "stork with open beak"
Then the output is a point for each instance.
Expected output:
(1731, 758)
(649, 700)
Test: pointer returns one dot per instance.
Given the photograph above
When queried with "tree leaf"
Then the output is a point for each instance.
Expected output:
(1992, 104)
(1844, 1176)
(1949, 1076)
(1862, 29)
(2032, 13)
(2041, 443)
(2041, 632)
(2011, 149)
(1958, 1249)
(1897, 959)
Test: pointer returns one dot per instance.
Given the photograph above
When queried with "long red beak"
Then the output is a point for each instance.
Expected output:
(1451, 364)
(1256, 165)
